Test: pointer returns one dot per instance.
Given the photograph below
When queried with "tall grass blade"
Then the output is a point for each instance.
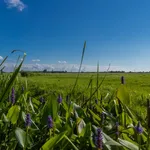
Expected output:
(97, 77)
(97, 87)
(3, 61)
(80, 66)
(17, 63)
(10, 82)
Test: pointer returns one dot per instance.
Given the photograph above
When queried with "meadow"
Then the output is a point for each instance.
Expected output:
(135, 82)
(99, 111)
(138, 85)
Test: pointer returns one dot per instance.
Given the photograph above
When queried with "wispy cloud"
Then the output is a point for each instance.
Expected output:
(35, 60)
(1, 58)
(15, 4)
(62, 62)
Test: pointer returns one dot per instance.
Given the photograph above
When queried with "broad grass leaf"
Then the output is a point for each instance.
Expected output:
(50, 108)
(79, 110)
(129, 112)
(53, 141)
(13, 114)
(69, 134)
(87, 130)
(32, 107)
(80, 126)
(123, 95)
(94, 115)
(109, 140)
(5, 119)
(128, 144)
(127, 138)
(70, 142)
(98, 108)
(21, 136)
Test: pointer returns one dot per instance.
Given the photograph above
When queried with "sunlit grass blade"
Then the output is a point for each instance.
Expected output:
(83, 51)
(71, 142)
(97, 87)
(17, 63)
(2, 69)
(3, 61)
(10, 82)
(97, 78)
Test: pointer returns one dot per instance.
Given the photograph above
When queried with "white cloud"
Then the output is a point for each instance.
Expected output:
(15, 4)
(62, 67)
(1, 58)
(36, 60)
(62, 62)
(9, 66)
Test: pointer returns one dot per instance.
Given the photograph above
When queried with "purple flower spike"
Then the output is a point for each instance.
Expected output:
(28, 120)
(122, 80)
(98, 139)
(50, 122)
(139, 128)
(59, 99)
(13, 96)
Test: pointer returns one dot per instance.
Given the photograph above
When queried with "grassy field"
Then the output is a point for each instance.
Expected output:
(139, 82)
(135, 82)
(35, 113)
(138, 85)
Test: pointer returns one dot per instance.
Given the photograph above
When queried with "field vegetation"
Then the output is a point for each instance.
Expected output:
(74, 111)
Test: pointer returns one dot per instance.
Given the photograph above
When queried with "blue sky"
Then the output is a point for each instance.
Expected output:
(116, 31)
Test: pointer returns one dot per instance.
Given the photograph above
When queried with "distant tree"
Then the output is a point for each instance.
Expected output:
(24, 74)
(45, 70)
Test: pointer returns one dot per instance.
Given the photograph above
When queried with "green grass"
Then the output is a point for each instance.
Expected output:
(138, 85)
(135, 82)
(114, 118)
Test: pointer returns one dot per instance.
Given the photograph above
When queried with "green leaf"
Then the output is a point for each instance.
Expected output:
(80, 126)
(21, 136)
(128, 144)
(13, 114)
(70, 142)
(94, 115)
(123, 95)
(79, 67)
(30, 102)
(109, 140)
(87, 132)
(98, 108)
(79, 110)
(11, 81)
(53, 141)
(3, 60)
(126, 137)
(5, 119)
(128, 111)
(50, 108)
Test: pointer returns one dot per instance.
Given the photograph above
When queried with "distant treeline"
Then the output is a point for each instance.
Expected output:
(44, 72)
